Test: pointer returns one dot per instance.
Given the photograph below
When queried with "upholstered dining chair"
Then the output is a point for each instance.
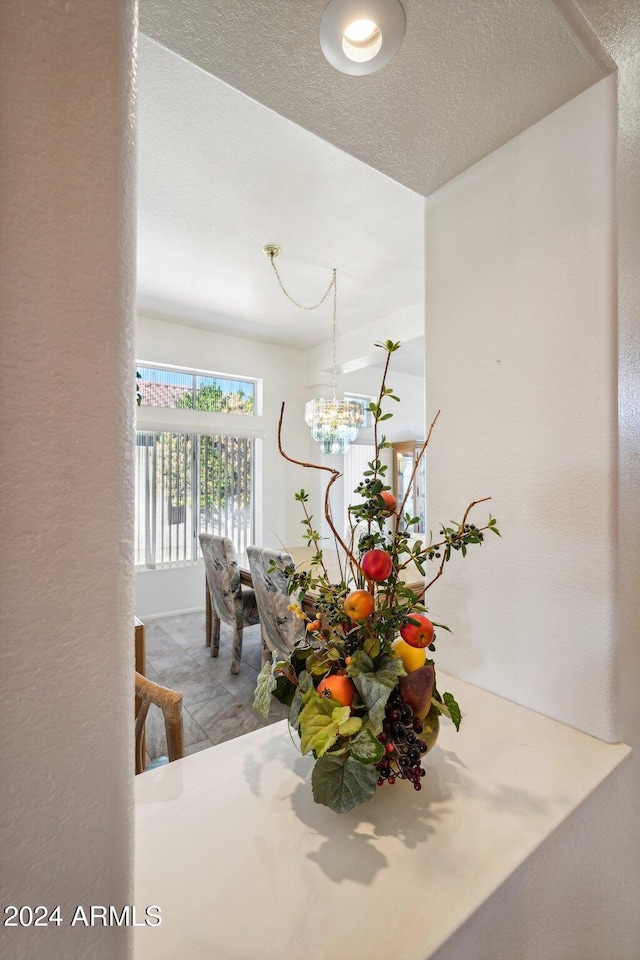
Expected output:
(230, 601)
(170, 702)
(280, 626)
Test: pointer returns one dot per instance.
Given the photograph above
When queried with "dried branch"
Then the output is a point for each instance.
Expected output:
(381, 396)
(469, 508)
(310, 530)
(445, 543)
(414, 471)
(335, 474)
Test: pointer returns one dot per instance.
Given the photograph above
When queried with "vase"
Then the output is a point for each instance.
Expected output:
(431, 729)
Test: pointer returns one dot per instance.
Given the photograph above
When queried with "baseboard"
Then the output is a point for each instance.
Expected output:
(170, 613)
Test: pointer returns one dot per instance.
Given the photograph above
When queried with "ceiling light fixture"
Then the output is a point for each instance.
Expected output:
(361, 36)
(334, 423)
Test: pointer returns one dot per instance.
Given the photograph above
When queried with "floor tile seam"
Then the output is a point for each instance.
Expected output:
(193, 720)
(197, 703)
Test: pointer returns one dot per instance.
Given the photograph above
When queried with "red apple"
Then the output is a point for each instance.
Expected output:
(376, 565)
(359, 605)
(418, 636)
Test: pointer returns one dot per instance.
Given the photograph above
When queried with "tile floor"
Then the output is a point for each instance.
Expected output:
(217, 705)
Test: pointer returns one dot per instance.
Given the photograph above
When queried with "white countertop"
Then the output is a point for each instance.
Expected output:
(245, 866)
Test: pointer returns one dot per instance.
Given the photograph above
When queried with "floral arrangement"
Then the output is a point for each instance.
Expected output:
(360, 685)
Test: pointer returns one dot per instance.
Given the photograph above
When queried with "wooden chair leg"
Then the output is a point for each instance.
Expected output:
(140, 722)
(215, 635)
(174, 730)
(236, 650)
(207, 607)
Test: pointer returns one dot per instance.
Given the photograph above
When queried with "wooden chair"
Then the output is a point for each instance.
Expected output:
(230, 601)
(170, 702)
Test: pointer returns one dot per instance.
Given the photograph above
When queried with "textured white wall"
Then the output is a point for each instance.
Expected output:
(67, 260)
(576, 898)
(520, 301)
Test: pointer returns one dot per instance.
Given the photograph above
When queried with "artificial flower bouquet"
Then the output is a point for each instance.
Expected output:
(361, 684)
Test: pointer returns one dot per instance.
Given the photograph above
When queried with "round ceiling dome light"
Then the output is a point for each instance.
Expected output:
(361, 36)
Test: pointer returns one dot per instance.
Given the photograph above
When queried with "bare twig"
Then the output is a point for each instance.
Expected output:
(379, 404)
(335, 474)
(318, 549)
(445, 543)
(414, 471)
(473, 504)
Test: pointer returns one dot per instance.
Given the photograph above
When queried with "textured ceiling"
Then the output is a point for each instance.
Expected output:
(221, 175)
(470, 75)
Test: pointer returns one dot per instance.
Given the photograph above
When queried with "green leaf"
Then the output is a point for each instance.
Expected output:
(440, 707)
(318, 664)
(318, 729)
(454, 709)
(265, 685)
(360, 663)
(302, 695)
(285, 690)
(350, 727)
(390, 669)
(366, 747)
(448, 708)
(340, 715)
(371, 647)
(375, 685)
(375, 696)
(341, 784)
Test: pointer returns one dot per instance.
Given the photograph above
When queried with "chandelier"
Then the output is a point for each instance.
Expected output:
(334, 423)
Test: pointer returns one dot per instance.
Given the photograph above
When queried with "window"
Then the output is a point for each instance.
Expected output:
(356, 461)
(187, 484)
(196, 390)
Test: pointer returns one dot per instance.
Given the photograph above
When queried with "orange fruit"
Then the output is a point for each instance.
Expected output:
(339, 688)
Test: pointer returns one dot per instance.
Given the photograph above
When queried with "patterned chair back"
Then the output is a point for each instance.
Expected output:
(280, 627)
(223, 577)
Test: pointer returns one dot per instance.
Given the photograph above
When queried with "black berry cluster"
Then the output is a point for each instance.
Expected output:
(403, 748)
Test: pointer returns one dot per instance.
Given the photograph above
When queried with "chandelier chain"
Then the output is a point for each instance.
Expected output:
(334, 423)
(301, 306)
(334, 334)
(333, 285)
